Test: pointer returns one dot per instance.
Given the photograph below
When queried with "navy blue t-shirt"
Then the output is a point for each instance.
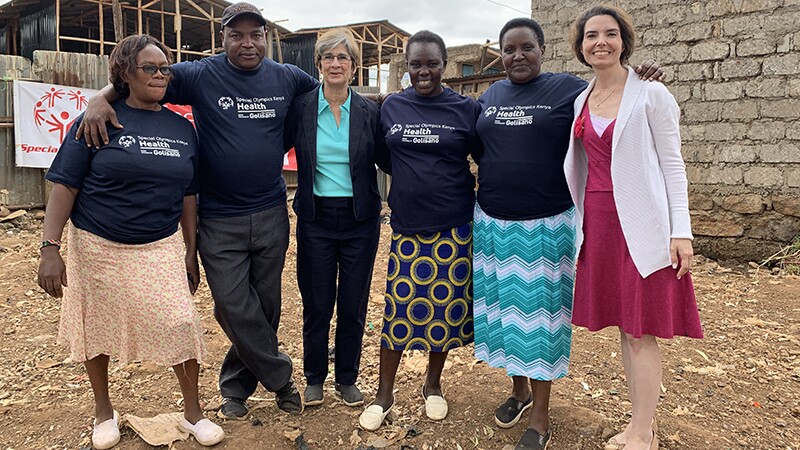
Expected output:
(131, 190)
(525, 132)
(429, 139)
(240, 118)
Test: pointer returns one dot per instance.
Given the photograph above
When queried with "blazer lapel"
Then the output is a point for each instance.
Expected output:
(358, 126)
(633, 89)
(580, 102)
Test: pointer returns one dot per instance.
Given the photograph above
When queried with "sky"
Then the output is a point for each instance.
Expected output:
(457, 21)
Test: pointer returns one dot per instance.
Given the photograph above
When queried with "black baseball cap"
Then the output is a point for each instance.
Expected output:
(241, 9)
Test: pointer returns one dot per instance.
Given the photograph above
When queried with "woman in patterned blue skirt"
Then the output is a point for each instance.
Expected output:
(430, 131)
(525, 229)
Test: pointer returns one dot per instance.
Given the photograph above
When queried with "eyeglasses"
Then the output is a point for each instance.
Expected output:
(342, 58)
(151, 69)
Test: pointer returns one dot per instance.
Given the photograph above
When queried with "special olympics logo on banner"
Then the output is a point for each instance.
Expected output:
(58, 108)
(43, 115)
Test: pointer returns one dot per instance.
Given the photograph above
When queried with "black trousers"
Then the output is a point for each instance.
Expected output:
(243, 258)
(335, 244)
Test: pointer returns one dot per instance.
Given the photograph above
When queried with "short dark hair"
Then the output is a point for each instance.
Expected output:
(427, 37)
(123, 59)
(626, 31)
(523, 22)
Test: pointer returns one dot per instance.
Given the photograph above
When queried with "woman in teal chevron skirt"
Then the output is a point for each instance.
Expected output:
(524, 229)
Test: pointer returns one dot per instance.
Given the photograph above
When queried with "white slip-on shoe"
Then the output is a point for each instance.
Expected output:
(373, 416)
(435, 406)
(204, 431)
(106, 434)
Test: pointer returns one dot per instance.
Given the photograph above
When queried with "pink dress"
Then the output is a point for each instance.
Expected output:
(609, 291)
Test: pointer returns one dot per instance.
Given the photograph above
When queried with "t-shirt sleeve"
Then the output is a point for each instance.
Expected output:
(73, 160)
(184, 77)
(575, 85)
(303, 81)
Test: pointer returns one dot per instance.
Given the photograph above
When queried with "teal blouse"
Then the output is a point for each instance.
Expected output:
(332, 174)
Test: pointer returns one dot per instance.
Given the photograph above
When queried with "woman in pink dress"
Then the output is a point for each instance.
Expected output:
(628, 182)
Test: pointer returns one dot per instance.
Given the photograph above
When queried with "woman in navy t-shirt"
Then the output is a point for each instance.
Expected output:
(525, 229)
(128, 294)
(430, 132)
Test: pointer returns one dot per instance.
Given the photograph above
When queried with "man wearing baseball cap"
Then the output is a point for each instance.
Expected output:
(240, 100)
(242, 9)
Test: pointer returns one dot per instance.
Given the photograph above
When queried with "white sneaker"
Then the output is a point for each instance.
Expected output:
(106, 434)
(205, 431)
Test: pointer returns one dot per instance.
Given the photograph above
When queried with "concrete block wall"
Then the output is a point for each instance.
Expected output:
(734, 68)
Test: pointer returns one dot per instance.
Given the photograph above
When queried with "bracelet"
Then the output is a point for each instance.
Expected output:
(50, 243)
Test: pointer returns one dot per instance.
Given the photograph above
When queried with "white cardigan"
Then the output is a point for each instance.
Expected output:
(647, 170)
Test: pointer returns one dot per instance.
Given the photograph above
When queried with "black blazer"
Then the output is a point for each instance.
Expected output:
(367, 148)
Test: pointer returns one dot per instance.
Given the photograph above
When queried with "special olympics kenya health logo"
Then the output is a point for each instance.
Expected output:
(225, 102)
(489, 111)
(395, 128)
(57, 109)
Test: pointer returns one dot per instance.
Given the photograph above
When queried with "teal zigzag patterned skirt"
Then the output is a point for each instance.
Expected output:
(429, 291)
(523, 278)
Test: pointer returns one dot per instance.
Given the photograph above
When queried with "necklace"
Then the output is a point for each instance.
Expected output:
(597, 104)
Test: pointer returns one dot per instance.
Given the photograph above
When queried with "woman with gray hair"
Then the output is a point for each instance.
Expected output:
(337, 138)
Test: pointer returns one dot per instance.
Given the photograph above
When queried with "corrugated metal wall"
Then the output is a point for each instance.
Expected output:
(300, 52)
(37, 31)
(25, 185)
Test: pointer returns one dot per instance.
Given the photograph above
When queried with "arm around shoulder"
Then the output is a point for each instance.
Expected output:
(382, 155)
(98, 113)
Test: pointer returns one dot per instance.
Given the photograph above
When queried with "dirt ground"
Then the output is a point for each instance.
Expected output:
(739, 388)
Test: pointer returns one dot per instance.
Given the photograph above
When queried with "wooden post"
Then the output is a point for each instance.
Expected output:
(380, 54)
(102, 30)
(163, 41)
(119, 31)
(280, 50)
(270, 42)
(178, 25)
(361, 69)
(139, 16)
(58, 25)
(213, 33)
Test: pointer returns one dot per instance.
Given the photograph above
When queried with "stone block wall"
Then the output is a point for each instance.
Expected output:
(734, 68)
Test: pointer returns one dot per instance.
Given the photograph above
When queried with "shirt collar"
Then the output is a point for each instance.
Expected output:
(322, 104)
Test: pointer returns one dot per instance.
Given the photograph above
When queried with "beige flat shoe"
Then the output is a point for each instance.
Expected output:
(435, 406)
(373, 416)
(206, 432)
(614, 444)
(106, 434)
(654, 444)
